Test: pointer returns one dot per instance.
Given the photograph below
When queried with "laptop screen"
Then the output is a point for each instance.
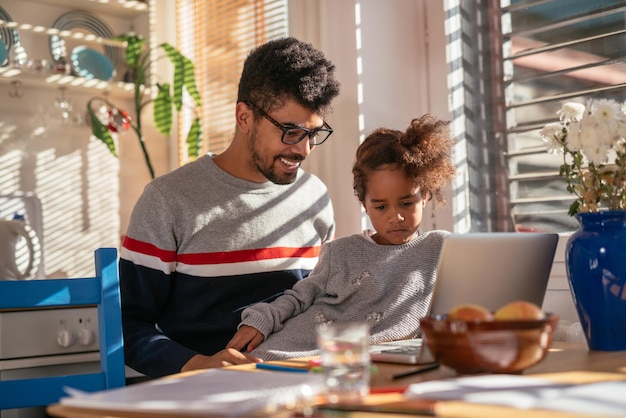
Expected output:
(493, 268)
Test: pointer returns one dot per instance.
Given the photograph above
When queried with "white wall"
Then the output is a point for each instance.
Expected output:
(390, 59)
(332, 161)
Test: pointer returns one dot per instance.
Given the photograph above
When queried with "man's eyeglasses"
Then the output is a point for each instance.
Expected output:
(293, 134)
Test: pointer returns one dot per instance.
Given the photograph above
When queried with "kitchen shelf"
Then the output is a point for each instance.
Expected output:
(128, 9)
(115, 89)
(42, 30)
(32, 78)
(112, 7)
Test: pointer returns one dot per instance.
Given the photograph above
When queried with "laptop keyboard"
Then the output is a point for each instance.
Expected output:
(405, 351)
(412, 343)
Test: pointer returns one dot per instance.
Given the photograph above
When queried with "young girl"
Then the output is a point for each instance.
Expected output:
(384, 277)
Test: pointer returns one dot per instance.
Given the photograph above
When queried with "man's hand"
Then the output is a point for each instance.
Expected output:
(246, 337)
(226, 357)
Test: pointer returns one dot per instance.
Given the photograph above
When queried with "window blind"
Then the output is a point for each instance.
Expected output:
(219, 34)
(552, 52)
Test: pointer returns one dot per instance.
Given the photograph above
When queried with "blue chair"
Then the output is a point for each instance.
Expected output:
(104, 292)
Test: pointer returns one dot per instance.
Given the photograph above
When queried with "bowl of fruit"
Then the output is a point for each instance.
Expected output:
(471, 339)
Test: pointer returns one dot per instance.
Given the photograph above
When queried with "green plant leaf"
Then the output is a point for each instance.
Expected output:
(194, 138)
(139, 62)
(163, 109)
(134, 48)
(179, 73)
(189, 81)
(101, 132)
(184, 75)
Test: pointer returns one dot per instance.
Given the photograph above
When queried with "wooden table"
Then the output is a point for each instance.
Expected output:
(567, 363)
(562, 357)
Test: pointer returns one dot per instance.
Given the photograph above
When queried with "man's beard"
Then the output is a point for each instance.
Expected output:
(270, 171)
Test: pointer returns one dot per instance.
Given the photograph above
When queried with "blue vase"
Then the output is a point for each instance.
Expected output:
(595, 259)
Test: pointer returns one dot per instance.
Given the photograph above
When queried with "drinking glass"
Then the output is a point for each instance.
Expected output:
(344, 350)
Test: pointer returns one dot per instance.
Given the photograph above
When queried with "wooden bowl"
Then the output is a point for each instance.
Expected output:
(493, 346)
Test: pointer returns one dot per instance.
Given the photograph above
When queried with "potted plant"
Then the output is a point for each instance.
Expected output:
(105, 117)
(592, 140)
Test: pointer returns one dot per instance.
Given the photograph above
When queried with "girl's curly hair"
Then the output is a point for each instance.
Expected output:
(423, 152)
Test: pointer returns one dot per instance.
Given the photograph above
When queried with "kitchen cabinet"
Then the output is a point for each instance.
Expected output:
(46, 146)
(59, 26)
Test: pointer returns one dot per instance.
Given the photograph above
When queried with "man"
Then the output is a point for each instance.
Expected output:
(226, 231)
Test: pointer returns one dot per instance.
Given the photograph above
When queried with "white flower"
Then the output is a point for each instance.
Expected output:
(604, 134)
(596, 153)
(574, 142)
(606, 112)
(591, 138)
(552, 134)
(571, 112)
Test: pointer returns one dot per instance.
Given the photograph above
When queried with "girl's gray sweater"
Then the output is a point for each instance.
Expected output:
(387, 286)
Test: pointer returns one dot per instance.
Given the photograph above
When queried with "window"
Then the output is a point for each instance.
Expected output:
(219, 34)
(517, 62)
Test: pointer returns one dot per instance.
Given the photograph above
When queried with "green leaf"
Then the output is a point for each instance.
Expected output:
(179, 73)
(139, 61)
(189, 81)
(101, 132)
(163, 109)
(134, 49)
(194, 138)
(184, 76)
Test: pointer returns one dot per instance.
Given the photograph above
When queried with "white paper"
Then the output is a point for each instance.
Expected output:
(524, 392)
(214, 391)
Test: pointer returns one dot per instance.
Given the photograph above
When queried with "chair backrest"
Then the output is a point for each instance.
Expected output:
(102, 291)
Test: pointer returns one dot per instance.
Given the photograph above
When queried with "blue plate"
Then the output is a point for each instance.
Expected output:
(85, 21)
(3, 53)
(90, 63)
(9, 36)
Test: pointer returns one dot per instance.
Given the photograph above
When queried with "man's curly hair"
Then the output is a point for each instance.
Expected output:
(423, 152)
(285, 69)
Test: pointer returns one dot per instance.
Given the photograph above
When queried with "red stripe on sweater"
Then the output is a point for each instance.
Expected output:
(149, 249)
(222, 257)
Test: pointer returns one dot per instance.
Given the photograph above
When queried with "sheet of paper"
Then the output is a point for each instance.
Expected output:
(524, 392)
(214, 391)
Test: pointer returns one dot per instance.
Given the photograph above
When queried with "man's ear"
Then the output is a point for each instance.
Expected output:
(244, 117)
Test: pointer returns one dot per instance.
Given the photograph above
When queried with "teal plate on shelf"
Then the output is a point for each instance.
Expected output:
(91, 64)
(84, 21)
(3, 53)
(8, 37)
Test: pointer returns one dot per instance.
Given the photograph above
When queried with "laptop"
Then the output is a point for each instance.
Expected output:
(486, 268)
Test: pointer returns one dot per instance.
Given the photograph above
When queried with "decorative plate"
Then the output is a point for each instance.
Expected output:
(90, 63)
(80, 19)
(9, 36)
(3, 53)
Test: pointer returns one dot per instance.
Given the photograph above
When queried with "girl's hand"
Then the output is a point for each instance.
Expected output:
(247, 337)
